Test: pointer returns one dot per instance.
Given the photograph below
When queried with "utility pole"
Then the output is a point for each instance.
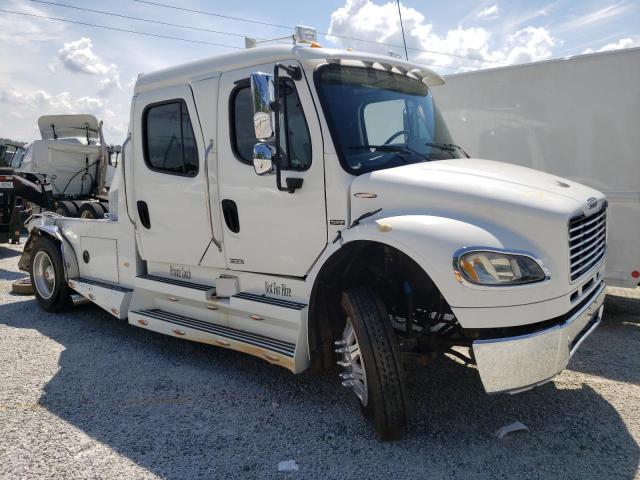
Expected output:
(404, 41)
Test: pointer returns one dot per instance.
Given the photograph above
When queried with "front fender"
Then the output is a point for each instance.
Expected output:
(431, 242)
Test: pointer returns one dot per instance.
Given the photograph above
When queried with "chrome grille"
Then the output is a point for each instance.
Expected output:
(587, 242)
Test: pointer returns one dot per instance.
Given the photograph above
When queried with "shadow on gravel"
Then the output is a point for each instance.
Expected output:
(622, 309)
(8, 253)
(614, 351)
(184, 410)
(10, 276)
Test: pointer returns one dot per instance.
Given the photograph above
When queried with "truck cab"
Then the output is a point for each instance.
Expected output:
(308, 206)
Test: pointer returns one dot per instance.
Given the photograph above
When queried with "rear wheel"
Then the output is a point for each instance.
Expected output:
(91, 210)
(371, 362)
(66, 209)
(47, 276)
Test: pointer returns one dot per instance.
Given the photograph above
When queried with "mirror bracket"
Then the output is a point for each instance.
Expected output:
(293, 184)
(294, 71)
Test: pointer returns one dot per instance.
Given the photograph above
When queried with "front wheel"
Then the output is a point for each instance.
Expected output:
(371, 362)
(47, 276)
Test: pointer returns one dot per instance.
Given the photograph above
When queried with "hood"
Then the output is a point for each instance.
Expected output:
(505, 206)
(471, 188)
(53, 127)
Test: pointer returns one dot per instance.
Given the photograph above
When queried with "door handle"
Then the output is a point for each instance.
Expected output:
(143, 213)
(230, 213)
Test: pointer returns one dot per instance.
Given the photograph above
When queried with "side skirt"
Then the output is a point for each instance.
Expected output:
(274, 351)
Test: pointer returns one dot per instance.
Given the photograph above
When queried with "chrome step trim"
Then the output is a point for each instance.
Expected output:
(270, 300)
(98, 283)
(279, 346)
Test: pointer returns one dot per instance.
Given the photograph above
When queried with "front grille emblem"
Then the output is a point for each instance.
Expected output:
(592, 202)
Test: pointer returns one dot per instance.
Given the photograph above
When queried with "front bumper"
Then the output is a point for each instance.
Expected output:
(514, 364)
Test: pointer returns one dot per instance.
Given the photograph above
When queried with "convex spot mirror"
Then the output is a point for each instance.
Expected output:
(263, 158)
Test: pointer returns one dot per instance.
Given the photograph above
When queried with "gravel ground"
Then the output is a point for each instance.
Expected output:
(85, 396)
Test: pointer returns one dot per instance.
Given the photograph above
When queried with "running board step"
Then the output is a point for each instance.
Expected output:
(114, 298)
(173, 287)
(274, 351)
(272, 307)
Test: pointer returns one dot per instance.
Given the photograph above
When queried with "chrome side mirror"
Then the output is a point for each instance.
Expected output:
(263, 158)
(262, 94)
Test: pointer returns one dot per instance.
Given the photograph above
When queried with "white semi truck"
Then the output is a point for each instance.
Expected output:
(574, 117)
(319, 213)
(74, 162)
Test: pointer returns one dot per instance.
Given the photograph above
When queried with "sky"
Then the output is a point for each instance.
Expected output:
(50, 66)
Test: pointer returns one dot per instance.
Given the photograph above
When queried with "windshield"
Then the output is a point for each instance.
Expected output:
(381, 119)
(16, 161)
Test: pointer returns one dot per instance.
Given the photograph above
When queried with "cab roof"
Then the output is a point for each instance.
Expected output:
(307, 56)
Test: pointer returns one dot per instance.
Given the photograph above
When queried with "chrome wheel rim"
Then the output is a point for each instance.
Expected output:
(86, 214)
(354, 375)
(44, 275)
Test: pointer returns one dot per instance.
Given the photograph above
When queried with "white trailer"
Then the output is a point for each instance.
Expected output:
(575, 117)
(323, 206)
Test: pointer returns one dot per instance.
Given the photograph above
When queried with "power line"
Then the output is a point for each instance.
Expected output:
(324, 34)
(120, 29)
(136, 32)
(211, 14)
(157, 22)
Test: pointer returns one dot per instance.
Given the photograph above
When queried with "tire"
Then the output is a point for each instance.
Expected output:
(66, 209)
(385, 399)
(47, 276)
(105, 206)
(91, 210)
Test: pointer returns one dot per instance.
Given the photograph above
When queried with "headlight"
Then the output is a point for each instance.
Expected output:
(495, 268)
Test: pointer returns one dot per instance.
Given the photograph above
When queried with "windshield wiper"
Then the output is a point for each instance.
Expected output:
(447, 147)
(390, 148)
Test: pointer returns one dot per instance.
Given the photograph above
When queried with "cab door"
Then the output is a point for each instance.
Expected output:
(169, 178)
(267, 230)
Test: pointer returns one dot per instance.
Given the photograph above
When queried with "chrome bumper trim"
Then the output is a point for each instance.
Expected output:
(514, 364)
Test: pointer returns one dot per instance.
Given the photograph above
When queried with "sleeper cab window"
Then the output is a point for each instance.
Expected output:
(295, 140)
(168, 139)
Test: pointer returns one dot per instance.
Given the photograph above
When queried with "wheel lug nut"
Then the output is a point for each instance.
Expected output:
(342, 350)
(346, 376)
(339, 343)
(344, 364)
(348, 383)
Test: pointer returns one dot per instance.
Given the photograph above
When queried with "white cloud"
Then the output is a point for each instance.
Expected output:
(29, 105)
(619, 45)
(489, 13)
(110, 82)
(79, 56)
(528, 45)
(460, 49)
(598, 16)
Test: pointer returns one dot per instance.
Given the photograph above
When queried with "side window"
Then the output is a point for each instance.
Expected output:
(295, 140)
(168, 139)
(243, 137)
(383, 119)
